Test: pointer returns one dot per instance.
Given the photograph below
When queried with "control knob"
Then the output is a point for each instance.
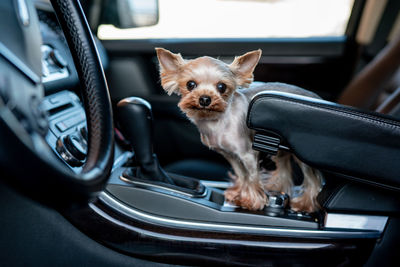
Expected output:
(277, 202)
(72, 149)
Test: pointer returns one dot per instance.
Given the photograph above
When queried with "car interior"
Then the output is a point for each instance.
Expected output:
(99, 167)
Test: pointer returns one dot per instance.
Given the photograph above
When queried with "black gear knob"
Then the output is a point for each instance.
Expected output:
(136, 121)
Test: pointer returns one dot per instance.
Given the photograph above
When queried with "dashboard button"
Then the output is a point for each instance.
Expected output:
(54, 100)
(72, 121)
(66, 124)
(61, 126)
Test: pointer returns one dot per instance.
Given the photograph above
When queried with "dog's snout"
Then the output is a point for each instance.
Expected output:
(205, 100)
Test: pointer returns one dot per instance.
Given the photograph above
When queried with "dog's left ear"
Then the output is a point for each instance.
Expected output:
(244, 66)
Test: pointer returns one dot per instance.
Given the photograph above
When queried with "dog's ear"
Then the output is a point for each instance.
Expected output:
(244, 66)
(169, 67)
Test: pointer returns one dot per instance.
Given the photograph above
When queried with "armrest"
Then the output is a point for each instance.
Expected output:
(329, 136)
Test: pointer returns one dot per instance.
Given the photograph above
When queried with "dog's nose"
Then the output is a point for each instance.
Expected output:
(205, 100)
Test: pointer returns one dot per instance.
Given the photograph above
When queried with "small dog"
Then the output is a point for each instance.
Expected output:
(213, 99)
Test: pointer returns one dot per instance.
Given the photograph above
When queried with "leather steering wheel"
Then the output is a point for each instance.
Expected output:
(30, 163)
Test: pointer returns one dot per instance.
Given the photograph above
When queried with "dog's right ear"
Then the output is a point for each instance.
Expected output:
(170, 64)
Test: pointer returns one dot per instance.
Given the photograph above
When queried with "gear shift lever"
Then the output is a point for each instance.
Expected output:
(136, 120)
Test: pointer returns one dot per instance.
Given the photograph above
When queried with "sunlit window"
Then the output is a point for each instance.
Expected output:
(241, 19)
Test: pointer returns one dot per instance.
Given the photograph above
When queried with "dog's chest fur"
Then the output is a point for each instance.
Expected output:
(229, 133)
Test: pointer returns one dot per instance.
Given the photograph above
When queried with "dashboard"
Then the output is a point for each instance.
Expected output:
(57, 64)
(58, 72)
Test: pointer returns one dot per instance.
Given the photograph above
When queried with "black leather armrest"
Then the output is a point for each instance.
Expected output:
(332, 137)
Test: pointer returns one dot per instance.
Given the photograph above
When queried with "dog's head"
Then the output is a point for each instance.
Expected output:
(206, 84)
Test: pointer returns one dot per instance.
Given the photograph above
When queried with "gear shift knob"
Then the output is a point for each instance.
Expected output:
(136, 121)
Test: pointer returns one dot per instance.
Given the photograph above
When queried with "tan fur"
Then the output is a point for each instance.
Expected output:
(246, 194)
(281, 178)
(222, 125)
(311, 186)
(244, 66)
(190, 104)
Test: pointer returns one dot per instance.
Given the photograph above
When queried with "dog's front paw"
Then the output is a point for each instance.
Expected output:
(249, 196)
(232, 195)
(252, 197)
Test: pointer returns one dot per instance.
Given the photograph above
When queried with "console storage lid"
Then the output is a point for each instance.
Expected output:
(329, 136)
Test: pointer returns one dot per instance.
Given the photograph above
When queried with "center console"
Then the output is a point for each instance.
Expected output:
(140, 189)
(174, 195)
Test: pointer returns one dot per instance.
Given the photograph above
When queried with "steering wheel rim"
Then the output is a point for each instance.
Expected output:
(95, 94)
(43, 176)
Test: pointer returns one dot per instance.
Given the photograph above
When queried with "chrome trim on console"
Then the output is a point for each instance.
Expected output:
(160, 187)
(121, 160)
(48, 76)
(265, 244)
(329, 233)
(216, 184)
(360, 222)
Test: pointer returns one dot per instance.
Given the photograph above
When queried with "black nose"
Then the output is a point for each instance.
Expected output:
(205, 100)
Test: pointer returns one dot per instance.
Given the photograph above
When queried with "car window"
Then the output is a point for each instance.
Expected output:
(241, 19)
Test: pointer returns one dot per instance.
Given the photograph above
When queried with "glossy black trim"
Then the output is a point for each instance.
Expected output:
(297, 47)
(328, 233)
(179, 245)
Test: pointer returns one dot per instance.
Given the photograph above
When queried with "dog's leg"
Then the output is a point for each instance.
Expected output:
(281, 178)
(311, 187)
(247, 191)
(252, 195)
(232, 194)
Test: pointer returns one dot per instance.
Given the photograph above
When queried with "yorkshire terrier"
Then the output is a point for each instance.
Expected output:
(215, 97)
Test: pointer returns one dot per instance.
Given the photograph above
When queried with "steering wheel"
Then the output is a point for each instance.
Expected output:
(30, 163)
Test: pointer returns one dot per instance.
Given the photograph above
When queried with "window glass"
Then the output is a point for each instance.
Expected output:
(241, 19)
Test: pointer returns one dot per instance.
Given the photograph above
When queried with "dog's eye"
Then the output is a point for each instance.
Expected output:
(221, 87)
(190, 85)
